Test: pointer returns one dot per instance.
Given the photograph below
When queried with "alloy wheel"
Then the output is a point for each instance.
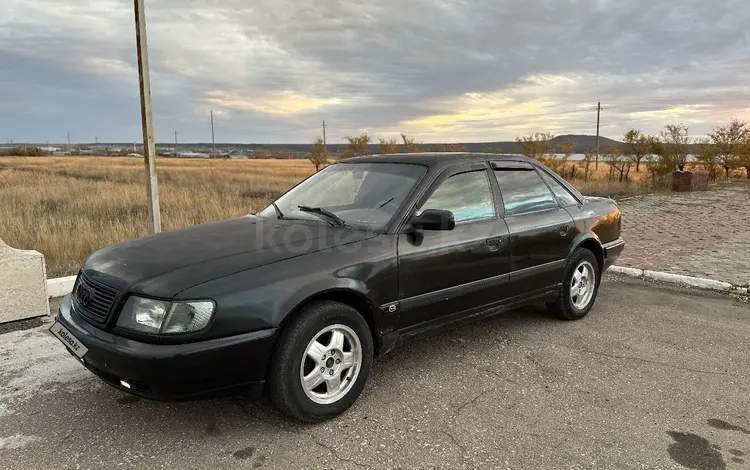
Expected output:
(582, 285)
(331, 364)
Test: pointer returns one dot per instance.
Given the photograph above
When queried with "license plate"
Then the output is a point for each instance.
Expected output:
(68, 340)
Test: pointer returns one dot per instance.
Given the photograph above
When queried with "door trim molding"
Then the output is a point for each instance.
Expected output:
(538, 269)
(449, 292)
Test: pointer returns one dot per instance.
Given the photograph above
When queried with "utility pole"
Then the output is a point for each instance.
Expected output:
(147, 123)
(325, 144)
(598, 112)
(175, 138)
(68, 141)
(213, 140)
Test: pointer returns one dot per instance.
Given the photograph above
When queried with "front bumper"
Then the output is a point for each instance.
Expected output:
(171, 372)
(612, 251)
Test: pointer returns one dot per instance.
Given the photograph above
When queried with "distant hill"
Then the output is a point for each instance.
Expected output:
(583, 143)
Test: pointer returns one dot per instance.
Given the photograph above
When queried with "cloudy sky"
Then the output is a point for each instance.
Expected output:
(440, 70)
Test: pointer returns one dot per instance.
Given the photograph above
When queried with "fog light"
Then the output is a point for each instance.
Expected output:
(125, 384)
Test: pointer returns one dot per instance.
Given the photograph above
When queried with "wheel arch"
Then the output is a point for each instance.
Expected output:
(357, 300)
(591, 242)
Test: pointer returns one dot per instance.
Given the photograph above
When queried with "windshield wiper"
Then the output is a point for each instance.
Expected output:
(325, 212)
(279, 214)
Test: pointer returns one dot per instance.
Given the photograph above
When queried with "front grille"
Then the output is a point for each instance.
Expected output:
(92, 299)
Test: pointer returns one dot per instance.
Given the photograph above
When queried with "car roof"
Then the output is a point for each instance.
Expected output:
(435, 159)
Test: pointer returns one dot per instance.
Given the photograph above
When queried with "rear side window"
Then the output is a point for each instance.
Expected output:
(563, 195)
(524, 191)
(467, 195)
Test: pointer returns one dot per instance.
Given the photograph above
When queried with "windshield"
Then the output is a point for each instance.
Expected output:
(364, 195)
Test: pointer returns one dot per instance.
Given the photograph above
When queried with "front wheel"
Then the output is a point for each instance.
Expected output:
(579, 287)
(321, 363)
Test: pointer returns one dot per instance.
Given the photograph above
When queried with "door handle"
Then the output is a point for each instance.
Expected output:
(494, 241)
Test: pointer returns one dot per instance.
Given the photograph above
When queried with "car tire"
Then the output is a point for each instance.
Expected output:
(297, 357)
(575, 298)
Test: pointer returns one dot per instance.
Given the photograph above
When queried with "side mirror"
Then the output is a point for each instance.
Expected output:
(434, 219)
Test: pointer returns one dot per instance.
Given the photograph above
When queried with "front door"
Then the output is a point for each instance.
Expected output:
(445, 272)
(541, 232)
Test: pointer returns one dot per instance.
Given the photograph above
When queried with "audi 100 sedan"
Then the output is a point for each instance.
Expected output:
(296, 300)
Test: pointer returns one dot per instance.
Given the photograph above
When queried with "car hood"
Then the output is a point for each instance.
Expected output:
(164, 264)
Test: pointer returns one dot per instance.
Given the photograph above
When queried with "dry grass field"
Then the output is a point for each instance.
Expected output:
(68, 207)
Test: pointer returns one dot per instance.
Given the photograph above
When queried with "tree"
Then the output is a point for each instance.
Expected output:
(619, 162)
(357, 145)
(744, 156)
(639, 146)
(567, 149)
(536, 145)
(452, 148)
(318, 154)
(661, 164)
(708, 157)
(675, 140)
(388, 145)
(541, 146)
(410, 146)
(728, 141)
(588, 159)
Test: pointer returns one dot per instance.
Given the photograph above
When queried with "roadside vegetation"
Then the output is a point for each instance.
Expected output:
(68, 207)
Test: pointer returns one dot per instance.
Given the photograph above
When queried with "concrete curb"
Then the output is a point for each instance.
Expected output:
(699, 282)
(60, 286)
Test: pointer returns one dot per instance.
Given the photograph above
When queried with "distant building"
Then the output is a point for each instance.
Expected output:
(193, 155)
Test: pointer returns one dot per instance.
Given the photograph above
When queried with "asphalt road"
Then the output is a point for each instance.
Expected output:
(652, 378)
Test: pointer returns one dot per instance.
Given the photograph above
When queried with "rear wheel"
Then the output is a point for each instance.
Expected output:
(579, 287)
(321, 363)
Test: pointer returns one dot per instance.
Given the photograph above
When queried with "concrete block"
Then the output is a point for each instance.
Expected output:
(23, 284)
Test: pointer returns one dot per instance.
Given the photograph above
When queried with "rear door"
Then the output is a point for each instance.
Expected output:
(447, 272)
(541, 231)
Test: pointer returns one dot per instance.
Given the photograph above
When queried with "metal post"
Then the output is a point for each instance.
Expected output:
(149, 149)
(213, 140)
(598, 112)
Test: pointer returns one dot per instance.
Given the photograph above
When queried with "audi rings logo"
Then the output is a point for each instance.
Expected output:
(84, 294)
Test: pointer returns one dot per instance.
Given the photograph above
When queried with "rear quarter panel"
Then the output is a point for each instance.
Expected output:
(599, 216)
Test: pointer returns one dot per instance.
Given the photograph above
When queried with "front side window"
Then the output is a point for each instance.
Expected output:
(563, 195)
(467, 195)
(364, 195)
(524, 191)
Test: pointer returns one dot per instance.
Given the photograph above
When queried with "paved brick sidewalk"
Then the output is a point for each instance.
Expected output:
(703, 234)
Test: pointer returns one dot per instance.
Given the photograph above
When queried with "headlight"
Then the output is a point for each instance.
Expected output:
(157, 316)
(185, 317)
